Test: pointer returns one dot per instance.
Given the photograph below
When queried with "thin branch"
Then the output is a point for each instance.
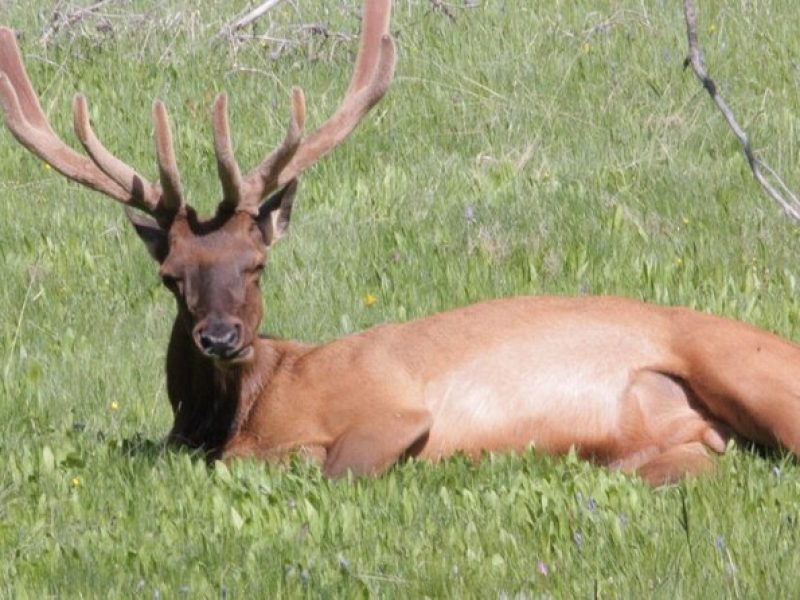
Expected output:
(306, 34)
(439, 5)
(59, 21)
(252, 16)
(786, 200)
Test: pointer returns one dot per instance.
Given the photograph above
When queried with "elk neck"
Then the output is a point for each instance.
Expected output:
(211, 401)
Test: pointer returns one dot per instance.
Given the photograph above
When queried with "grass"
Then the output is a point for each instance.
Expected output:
(556, 148)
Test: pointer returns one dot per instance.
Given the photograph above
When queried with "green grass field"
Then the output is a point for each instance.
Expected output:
(524, 148)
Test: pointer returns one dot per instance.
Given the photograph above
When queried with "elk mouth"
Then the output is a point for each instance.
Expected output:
(239, 356)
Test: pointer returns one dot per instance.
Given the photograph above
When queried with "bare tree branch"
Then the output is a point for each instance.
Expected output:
(61, 20)
(786, 199)
(439, 5)
(252, 16)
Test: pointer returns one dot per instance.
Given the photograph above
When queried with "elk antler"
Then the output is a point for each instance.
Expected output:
(101, 170)
(371, 77)
(261, 181)
(104, 172)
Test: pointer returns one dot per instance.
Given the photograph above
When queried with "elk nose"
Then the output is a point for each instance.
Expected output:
(219, 338)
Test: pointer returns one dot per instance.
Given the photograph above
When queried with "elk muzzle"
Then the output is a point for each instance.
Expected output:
(221, 338)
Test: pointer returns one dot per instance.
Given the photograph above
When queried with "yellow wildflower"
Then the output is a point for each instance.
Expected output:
(75, 482)
(115, 405)
(369, 299)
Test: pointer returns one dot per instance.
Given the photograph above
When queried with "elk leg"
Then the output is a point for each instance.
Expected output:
(369, 447)
(245, 445)
(672, 464)
(665, 431)
(749, 379)
(242, 445)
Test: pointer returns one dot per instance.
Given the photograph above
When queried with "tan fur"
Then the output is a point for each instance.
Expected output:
(627, 383)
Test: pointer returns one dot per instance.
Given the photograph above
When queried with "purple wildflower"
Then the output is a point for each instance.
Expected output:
(577, 537)
(541, 566)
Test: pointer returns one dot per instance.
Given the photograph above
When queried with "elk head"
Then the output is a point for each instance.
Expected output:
(212, 266)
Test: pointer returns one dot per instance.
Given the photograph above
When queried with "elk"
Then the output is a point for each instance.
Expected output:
(647, 389)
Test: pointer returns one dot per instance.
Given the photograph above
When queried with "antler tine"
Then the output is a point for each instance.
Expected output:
(349, 114)
(28, 107)
(229, 174)
(264, 178)
(374, 25)
(25, 119)
(144, 195)
(172, 195)
(372, 75)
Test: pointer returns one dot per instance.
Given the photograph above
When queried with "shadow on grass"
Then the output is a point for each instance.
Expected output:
(466, 470)
(776, 454)
(154, 450)
(140, 446)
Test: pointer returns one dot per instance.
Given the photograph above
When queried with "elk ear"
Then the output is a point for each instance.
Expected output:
(154, 237)
(274, 214)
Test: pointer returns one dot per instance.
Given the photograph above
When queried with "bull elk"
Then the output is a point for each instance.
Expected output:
(648, 389)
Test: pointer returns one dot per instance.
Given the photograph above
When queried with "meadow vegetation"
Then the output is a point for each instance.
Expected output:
(524, 148)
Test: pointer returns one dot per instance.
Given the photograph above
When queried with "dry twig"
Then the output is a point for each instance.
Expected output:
(252, 16)
(785, 198)
(61, 20)
(439, 5)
